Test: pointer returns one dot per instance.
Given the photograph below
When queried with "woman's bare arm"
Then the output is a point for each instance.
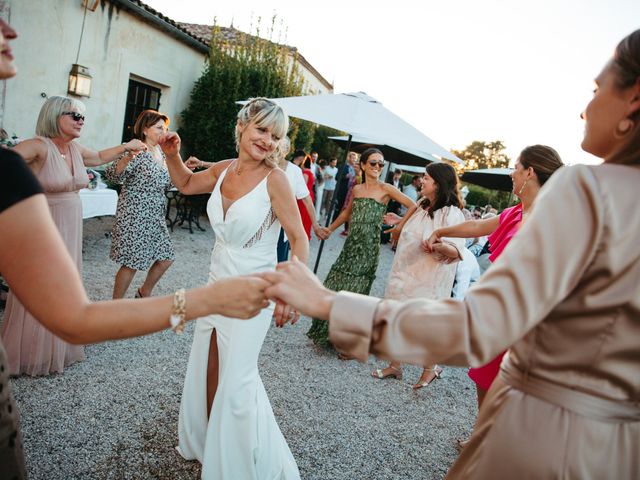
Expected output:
(34, 153)
(468, 229)
(344, 215)
(317, 229)
(91, 158)
(188, 182)
(286, 209)
(36, 264)
(398, 196)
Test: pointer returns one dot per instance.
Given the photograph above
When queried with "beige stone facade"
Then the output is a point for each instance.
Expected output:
(122, 41)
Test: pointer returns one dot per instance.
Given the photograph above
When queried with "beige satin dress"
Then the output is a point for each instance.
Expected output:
(565, 298)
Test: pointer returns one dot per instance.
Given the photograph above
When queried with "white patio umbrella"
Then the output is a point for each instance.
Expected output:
(358, 115)
(392, 152)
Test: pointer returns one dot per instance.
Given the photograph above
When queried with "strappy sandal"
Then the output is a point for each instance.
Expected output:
(437, 374)
(379, 373)
(138, 294)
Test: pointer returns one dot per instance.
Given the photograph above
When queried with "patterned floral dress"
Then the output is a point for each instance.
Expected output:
(140, 236)
(355, 268)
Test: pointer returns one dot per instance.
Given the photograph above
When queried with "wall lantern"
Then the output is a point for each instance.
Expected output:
(79, 81)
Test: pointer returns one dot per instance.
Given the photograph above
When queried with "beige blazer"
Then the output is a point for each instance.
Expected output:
(565, 298)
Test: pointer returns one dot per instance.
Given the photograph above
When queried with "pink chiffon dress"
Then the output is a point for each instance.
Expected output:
(415, 273)
(31, 348)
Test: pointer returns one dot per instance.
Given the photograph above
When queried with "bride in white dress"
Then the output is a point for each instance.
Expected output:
(250, 199)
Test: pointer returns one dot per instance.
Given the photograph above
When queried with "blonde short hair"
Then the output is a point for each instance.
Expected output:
(265, 114)
(52, 110)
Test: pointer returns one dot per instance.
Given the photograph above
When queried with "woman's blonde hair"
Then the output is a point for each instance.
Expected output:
(52, 110)
(265, 114)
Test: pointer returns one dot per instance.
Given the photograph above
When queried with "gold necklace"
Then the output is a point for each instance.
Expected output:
(237, 170)
(60, 150)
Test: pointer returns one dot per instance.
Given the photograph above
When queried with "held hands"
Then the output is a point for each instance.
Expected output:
(244, 297)
(429, 244)
(295, 285)
(170, 144)
(284, 313)
(395, 232)
(391, 219)
(134, 147)
(396, 227)
(322, 232)
(240, 297)
(441, 251)
(192, 163)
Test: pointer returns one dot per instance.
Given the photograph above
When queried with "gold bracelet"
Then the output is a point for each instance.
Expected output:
(178, 310)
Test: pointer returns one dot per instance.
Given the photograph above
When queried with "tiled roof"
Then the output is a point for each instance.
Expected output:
(199, 36)
(203, 33)
(165, 23)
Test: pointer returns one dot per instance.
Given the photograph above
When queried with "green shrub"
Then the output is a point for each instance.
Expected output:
(247, 66)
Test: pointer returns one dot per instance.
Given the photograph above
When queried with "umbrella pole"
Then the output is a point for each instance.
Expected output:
(334, 201)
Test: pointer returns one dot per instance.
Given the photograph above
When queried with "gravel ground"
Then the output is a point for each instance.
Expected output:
(115, 415)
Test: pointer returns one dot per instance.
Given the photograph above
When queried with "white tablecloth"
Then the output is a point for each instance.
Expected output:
(98, 202)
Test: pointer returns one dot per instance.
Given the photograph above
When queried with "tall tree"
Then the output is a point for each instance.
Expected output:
(479, 154)
(326, 148)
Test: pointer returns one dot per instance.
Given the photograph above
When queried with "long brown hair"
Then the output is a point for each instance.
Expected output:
(448, 190)
(364, 159)
(626, 68)
(544, 161)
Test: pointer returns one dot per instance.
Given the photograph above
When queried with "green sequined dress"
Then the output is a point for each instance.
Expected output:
(355, 268)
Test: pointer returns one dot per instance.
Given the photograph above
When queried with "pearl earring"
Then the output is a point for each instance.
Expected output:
(623, 127)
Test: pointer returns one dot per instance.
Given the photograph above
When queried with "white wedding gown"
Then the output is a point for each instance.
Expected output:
(241, 439)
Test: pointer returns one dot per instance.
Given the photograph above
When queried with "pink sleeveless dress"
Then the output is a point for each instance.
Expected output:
(31, 348)
(510, 220)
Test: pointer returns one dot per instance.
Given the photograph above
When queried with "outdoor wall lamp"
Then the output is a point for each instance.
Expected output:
(79, 81)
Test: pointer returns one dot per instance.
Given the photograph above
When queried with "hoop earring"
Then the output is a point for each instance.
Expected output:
(624, 126)
(522, 187)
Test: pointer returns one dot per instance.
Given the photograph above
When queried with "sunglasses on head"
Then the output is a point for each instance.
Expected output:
(75, 115)
(373, 163)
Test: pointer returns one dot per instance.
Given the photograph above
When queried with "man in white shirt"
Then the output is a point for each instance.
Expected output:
(467, 273)
(330, 173)
(396, 181)
(313, 166)
(301, 192)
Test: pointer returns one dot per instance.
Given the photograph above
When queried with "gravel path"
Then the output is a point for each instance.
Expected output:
(115, 415)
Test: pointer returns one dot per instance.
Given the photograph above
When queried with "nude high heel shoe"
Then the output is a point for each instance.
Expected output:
(390, 372)
(437, 374)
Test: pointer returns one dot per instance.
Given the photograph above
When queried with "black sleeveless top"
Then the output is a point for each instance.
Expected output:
(17, 183)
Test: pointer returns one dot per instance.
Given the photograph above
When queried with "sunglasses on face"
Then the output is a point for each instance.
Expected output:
(75, 115)
(373, 163)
